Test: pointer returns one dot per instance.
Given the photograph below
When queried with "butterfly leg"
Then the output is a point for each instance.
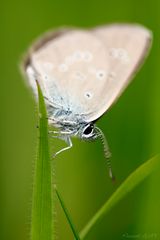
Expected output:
(61, 132)
(53, 132)
(69, 142)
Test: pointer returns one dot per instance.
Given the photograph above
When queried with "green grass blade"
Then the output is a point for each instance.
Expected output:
(75, 233)
(127, 186)
(42, 205)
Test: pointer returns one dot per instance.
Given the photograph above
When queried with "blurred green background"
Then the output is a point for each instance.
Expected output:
(131, 126)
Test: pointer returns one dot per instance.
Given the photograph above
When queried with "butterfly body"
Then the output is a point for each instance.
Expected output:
(71, 124)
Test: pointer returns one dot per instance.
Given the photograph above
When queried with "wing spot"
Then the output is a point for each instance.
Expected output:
(87, 56)
(113, 52)
(111, 75)
(101, 74)
(77, 56)
(80, 76)
(88, 95)
(120, 54)
(46, 77)
(123, 55)
(63, 67)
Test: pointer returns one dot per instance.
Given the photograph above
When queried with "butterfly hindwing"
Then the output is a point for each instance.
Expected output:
(72, 70)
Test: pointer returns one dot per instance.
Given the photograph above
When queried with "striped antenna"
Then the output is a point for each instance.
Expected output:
(107, 153)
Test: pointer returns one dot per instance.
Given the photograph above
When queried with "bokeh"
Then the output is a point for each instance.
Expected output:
(131, 126)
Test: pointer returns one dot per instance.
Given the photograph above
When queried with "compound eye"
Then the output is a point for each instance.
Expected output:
(88, 130)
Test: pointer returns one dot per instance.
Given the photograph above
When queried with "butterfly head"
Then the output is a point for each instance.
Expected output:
(88, 132)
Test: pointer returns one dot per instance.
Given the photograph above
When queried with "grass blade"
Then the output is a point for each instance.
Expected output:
(75, 233)
(129, 184)
(42, 205)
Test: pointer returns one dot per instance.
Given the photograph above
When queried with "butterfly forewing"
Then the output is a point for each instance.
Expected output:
(126, 47)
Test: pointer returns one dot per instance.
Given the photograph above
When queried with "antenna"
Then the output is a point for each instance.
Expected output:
(107, 153)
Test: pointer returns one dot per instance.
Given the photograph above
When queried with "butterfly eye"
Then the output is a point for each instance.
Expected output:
(88, 133)
(88, 130)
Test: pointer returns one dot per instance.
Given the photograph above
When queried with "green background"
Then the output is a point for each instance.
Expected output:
(131, 126)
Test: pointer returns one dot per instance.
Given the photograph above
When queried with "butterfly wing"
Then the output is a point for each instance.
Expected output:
(71, 70)
(86, 71)
(126, 46)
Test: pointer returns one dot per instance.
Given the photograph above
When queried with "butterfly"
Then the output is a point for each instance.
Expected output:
(82, 72)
